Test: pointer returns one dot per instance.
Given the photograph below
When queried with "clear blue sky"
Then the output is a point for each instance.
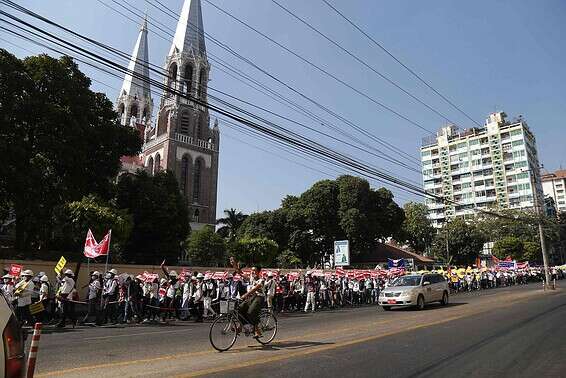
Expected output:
(484, 55)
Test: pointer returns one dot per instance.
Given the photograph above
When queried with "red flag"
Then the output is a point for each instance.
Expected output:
(93, 249)
(16, 270)
(104, 246)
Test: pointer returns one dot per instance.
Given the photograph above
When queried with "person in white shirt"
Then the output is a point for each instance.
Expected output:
(22, 292)
(270, 286)
(93, 296)
(65, 296)
(198, 307)
(45, 295)
(110, 296)
(7, 287)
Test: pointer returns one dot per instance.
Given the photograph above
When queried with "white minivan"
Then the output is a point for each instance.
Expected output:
(415, 290)
(12, 354)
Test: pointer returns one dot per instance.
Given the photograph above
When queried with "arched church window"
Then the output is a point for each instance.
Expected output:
(157, 163)
(196, 180)
(184, 126)
(202, 83)
(188, 78)
(196, 216)
(184, 174)
(134, 111)
(145, 113)
(150, 165)
(172, 76)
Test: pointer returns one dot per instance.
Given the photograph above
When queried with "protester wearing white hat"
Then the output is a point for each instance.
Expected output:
(209, 290)
(22, 292)
(7, 287)
(198, 307)
(93, 297)
(45, 296)
(67, 285)
(110, 297)
(270, 286)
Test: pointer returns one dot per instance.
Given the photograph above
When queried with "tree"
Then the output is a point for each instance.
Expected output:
(417, 230)
(160, 214)
(508, 246)
(465, 242)
(255, 251)
(288, 260)
(206, 248)
(59, 141)
(231, 223)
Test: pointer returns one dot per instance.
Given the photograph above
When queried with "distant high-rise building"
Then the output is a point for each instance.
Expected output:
(495, 166)
(554, 186)
(180, 139)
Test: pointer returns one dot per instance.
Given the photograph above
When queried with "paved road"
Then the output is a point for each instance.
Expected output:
(518, 331)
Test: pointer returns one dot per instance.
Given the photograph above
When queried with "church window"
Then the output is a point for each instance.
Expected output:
(198, 129)
(134, 112)
(150, 165)
(157, 163)
(172, 76)
(184, 174)
(185, 123)
(188, 78)
(196, 180)
(202, 83)
(196, 216)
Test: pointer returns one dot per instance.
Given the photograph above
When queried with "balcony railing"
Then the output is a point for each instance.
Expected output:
(195, 142)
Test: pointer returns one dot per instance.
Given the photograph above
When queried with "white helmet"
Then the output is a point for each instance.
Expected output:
(27, 272)
(173, 274)
(309, 272)
(95, 273)
(70, 272)
(7, 276)
(113, 271)
(163, 281)
(44, 278)
(270, 274)
(200, 275)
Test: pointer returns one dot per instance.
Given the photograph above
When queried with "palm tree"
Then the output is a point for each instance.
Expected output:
(231, 223)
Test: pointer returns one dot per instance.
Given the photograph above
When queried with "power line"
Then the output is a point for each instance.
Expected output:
(419, 77)
(362, 62)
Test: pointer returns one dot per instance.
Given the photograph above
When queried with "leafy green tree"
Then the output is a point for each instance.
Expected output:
(160, 214)
(231, 223)
(532, 252)
(206, 248)
(508, 246)
(288, 260)
(465, 242)
(255, 251)
(417, 230)
(59, 141)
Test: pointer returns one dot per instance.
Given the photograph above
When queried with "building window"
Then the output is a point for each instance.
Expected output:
(188, 78)
(157, 163)
(196, 180)
(185, 123)
(150, 165)
(196, 216)
(184, 174)
(172, 78)
(198, 129)
(202, 83)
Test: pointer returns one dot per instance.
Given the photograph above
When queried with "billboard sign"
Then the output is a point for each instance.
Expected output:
(341, 253)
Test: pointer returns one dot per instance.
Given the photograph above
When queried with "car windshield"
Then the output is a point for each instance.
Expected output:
(407, 281)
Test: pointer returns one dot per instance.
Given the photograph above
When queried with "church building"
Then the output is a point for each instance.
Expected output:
(180, 139)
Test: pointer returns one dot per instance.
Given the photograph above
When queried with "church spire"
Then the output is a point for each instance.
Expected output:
(139, 63)
(134, 102)
(189, 34)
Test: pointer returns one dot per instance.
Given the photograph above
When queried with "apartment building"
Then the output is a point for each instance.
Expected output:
(492, 167)
(554, 186)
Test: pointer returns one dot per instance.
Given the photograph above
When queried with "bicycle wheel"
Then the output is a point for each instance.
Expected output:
(223, 333)
(268, 327)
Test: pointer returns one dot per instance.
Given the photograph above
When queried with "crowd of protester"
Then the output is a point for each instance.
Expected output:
(113, 298)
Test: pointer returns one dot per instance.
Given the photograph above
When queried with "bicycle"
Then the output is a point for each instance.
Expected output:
(227, 326)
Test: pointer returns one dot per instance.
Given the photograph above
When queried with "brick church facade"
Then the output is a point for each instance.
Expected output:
(181, 139)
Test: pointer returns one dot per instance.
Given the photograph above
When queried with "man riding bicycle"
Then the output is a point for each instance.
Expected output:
(252, 301)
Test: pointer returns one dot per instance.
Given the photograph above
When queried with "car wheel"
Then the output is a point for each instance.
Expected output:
(420, 303)
(386, 308)
(444, 300)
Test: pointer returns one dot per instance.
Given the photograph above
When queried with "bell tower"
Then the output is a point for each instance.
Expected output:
(183, 141)
(134, 103)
